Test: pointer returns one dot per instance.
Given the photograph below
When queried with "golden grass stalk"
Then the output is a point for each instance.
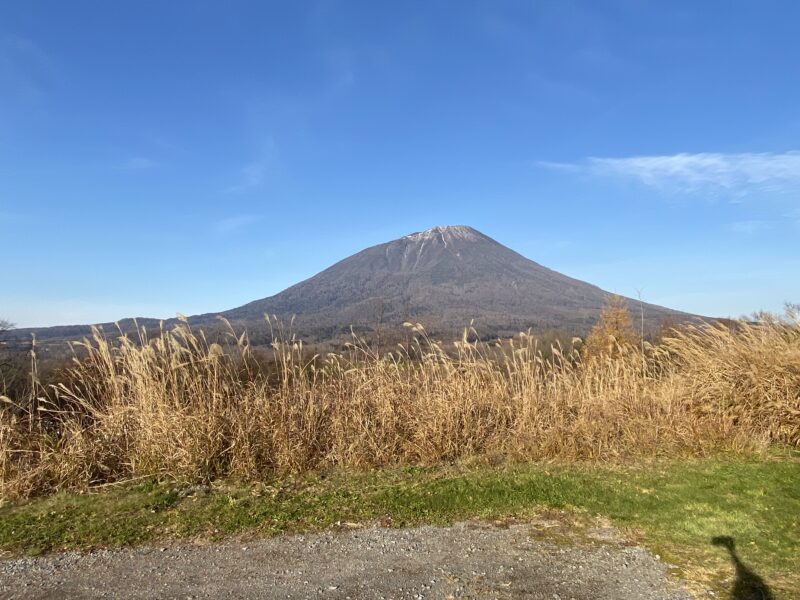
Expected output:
(176, 405)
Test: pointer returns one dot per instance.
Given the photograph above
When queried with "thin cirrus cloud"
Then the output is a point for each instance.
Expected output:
(255, 172)
(137, 163)
(737, 174)
(24, 70)
(252, 175)
(750, 227)
(235, 223)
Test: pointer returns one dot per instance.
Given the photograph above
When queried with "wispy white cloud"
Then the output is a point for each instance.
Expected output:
(27, 311)
(738, 174)
(749, 227)
(560, 166)
(235, 223)
(139, 162)
(255, 172)
(24, 69)
(341, 63)
(792, 217)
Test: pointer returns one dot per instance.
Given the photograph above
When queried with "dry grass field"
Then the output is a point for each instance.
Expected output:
(176, 406)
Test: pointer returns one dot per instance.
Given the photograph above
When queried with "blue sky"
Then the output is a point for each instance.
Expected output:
(163, 157)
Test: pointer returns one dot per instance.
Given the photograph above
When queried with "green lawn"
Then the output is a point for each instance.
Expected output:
(673, 508)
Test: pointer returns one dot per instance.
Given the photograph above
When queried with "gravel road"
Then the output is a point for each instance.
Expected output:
(468, 560)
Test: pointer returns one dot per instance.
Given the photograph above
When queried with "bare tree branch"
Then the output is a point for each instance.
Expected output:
(5, 326)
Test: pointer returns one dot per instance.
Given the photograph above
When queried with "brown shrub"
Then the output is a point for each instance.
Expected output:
(613, 334)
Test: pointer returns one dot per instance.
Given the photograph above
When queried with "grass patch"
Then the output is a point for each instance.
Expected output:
(177, 405)
(674, 508)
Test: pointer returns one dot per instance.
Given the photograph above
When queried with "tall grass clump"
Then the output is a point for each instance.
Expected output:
(177, 405)
(747, 373)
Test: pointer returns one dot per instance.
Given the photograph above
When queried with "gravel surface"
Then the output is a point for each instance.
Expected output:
(468, 560)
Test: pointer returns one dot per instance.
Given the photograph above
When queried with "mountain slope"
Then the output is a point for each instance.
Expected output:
(443, 277)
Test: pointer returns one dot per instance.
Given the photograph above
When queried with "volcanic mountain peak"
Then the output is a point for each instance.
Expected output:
(444, 277)
(446, 233)
(433, 247)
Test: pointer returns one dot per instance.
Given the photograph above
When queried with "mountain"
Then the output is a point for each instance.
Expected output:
(443, 277)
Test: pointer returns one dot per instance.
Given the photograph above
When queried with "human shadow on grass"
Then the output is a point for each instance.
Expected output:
(748, 584)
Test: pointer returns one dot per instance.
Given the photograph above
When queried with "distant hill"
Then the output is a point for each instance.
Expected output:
(443, 277)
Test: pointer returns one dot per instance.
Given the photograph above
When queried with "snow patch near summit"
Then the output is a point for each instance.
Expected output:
(444, 233)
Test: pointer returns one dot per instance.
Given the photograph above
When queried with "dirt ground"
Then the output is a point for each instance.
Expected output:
(468, 560)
